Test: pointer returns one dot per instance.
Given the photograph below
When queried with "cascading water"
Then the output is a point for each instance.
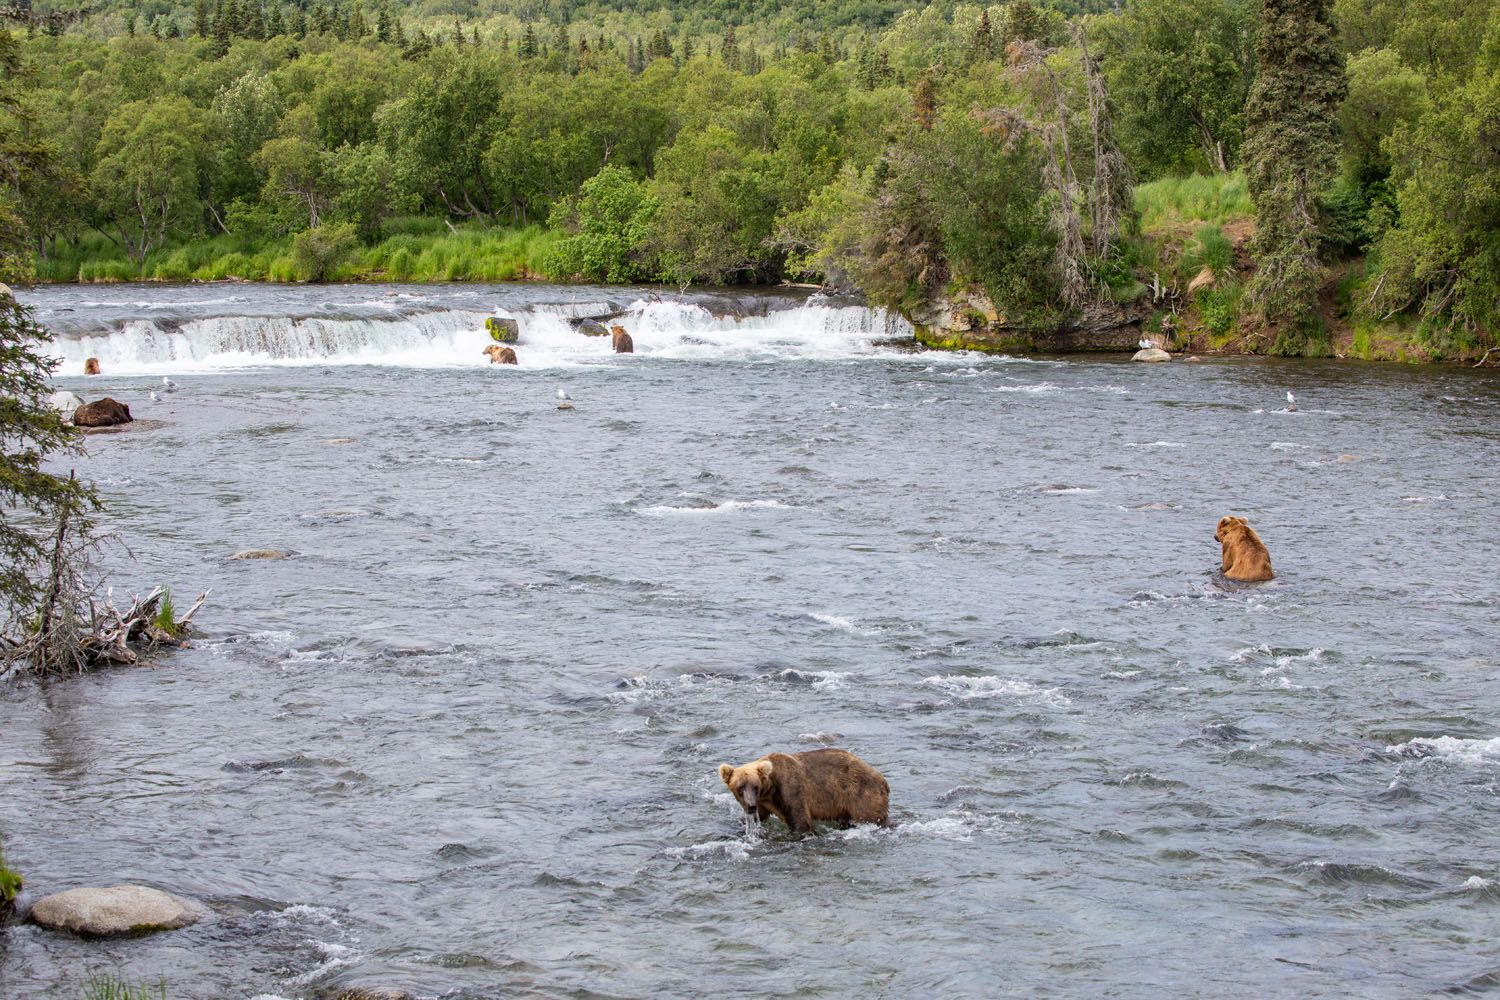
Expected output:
(406, 327)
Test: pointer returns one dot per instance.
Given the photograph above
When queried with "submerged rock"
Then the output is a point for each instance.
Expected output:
(65, 402)
(372, 993)
(115, 910)
(1151, 354)
(259, 554)
(106, 412)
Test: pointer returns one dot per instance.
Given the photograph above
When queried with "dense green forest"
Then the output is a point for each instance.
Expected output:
(1053, 159)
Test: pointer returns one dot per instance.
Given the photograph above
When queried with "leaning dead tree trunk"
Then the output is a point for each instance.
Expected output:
(1028, 61)
(1106, 196)
(1110, 199)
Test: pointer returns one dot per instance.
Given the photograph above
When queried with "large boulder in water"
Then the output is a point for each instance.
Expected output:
(107, 412)
(65, 403)
(116, 910)
(592, 328)
(503, 330)
(622, 342)
(1151, 354)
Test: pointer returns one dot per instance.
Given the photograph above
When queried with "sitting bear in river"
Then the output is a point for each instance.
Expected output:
(818, 786)
(1245, 555)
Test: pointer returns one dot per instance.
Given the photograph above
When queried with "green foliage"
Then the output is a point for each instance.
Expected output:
(1384, 95)
(33, 438)
(106, 987)
(609, 227)
(10, 886)
(1290, 151)
(319, 253)
(1179, 72)
(1215, 198)
(166, 615)
(1209, 248)
(1219, 310)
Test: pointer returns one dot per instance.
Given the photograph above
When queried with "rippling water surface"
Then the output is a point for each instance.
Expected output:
(464, 740)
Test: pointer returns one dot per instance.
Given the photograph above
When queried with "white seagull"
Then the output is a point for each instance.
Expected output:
(1145, 344)
(168, 384)
(1291, 403)
(563, 403)
(154, 397)
(562, 394)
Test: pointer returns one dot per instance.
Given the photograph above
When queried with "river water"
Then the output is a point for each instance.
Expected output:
(463, 742)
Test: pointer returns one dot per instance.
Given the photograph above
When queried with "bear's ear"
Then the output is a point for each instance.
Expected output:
(763, 768)
(726, 771)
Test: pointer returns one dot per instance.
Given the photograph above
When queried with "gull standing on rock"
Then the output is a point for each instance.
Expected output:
(168, 385)
(1291, 402)
(563, 403)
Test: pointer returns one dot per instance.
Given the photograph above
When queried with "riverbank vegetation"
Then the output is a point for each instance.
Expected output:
(1049, 157)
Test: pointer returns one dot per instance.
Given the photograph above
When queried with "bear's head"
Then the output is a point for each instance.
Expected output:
(749, 782)
(1228, 526)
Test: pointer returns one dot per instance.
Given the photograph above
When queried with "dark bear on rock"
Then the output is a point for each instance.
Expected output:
(106, 412)
(817, 786)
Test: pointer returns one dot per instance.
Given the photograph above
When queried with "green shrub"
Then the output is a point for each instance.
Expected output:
(1216, 198)
(108, 270)
(10, 885)
(1209, 248)
(319, 253)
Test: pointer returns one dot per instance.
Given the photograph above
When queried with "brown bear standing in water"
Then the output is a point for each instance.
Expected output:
(500, 355)
(621, 340)
(818, 786)
(1245, 555)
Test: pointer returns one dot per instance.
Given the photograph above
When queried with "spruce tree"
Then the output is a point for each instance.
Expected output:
(1022, 23)
(984, 35)
(200, 18)
(1291, 152)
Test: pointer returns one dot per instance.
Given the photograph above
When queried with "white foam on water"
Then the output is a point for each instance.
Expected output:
(1038, 388)
(962, 825)
(334, 956)
(1157, 444)
(822, 680)
(726, 507)
(1451, 748)
(965, 687)
(1059, 491)
(1287, 446)
(843, 624)
(1435, 498)
(731, 850)
(376, 333)
(1477, 882)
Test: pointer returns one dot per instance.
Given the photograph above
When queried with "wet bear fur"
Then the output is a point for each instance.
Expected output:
(500, 355)
(1245, 555)
(817, 786)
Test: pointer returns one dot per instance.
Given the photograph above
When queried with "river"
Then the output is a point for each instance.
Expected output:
(464, 740)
